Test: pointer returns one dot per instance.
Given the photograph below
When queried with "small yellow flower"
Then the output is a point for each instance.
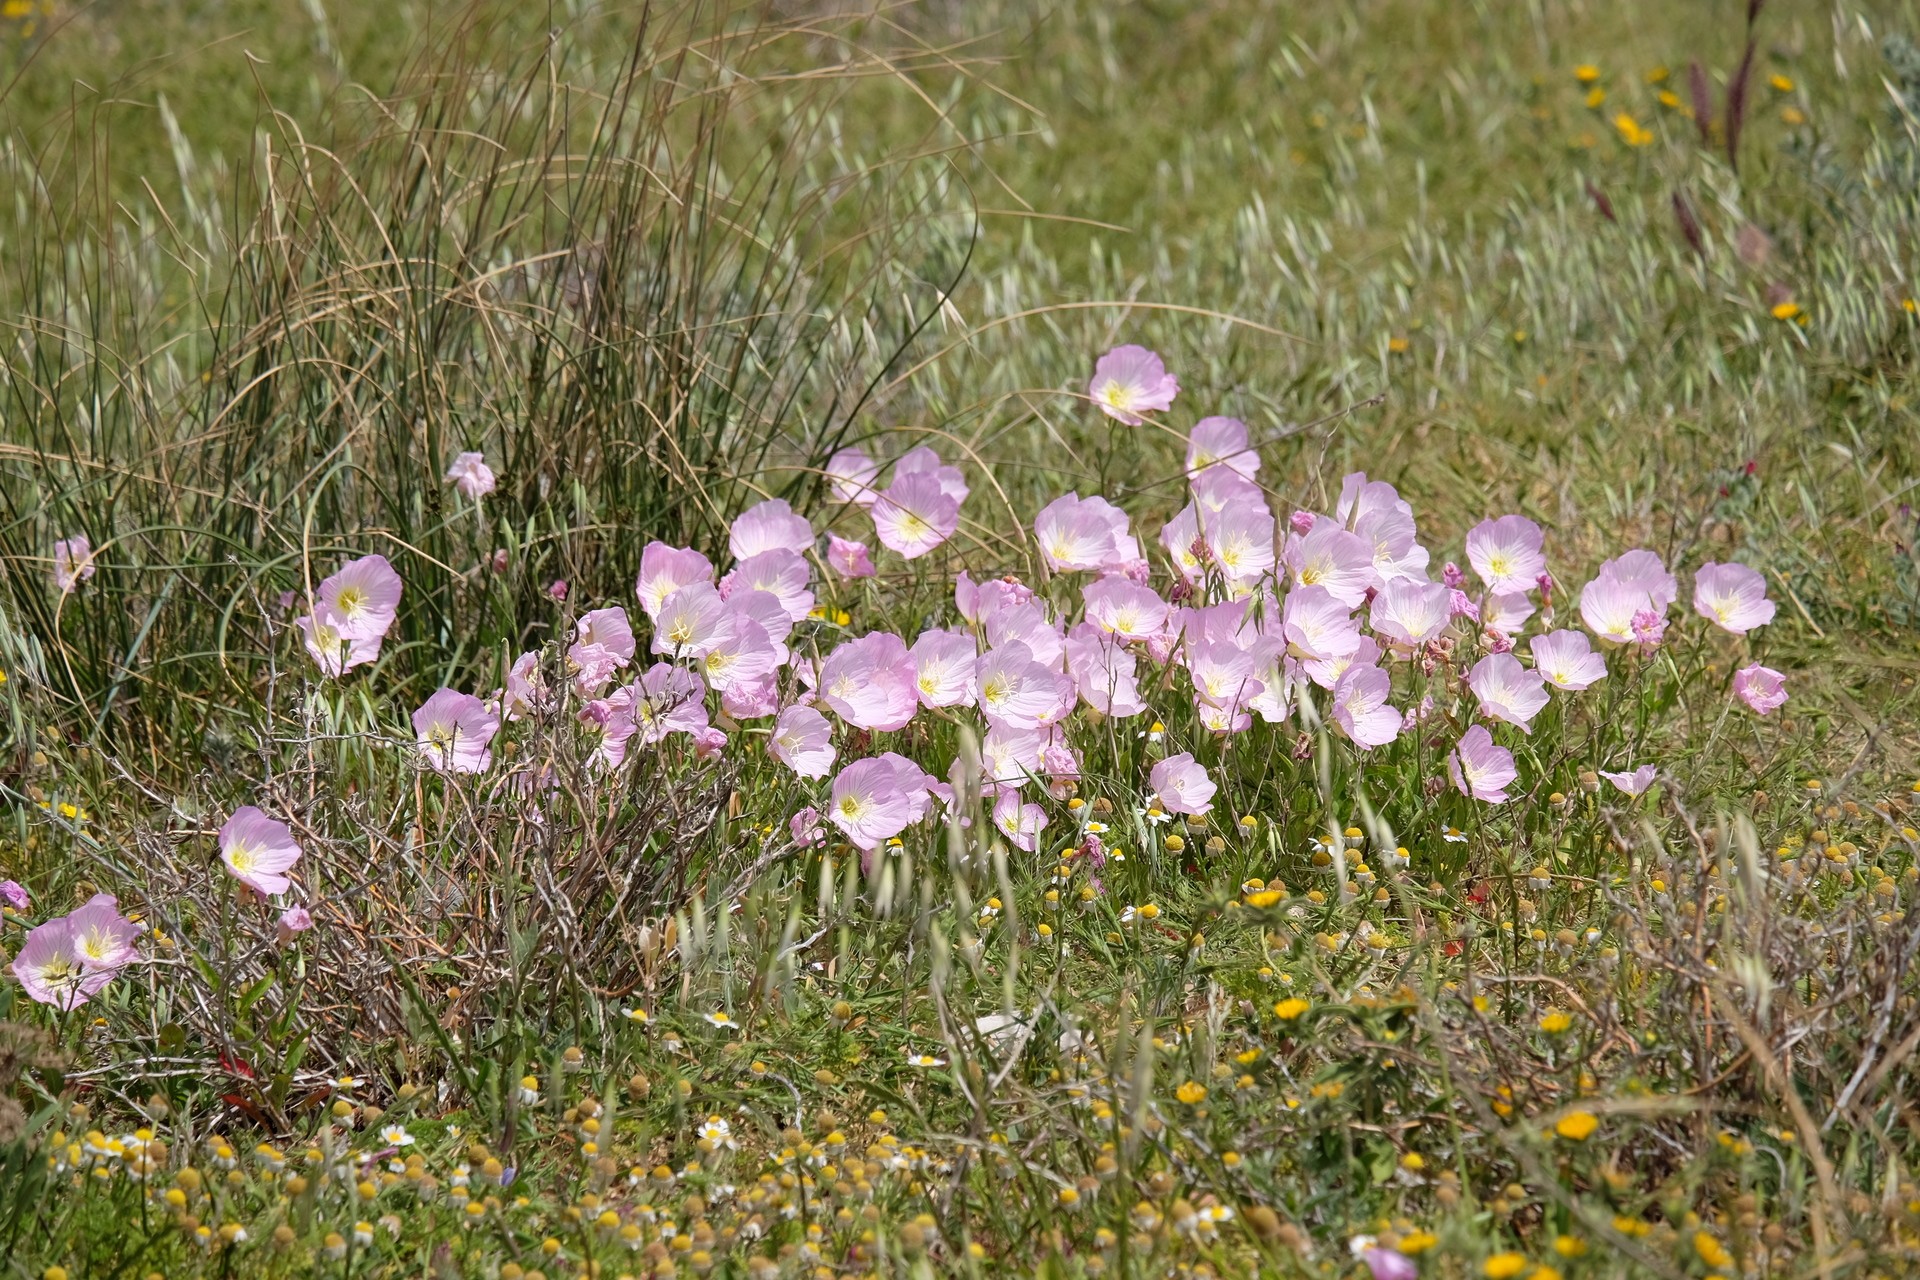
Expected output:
(1630, 131)
(1503, 1266)
(1596, 96)
(1781, 84)
(1415, 1242)
(1556, 1022)
(1570, 1246)
(1191, 1093)
(1397, 344)
(1785, 310)
(1711, 1251)
(1657, 76)
(1792, 116)
(1586, 73)
(1291, 1008)
(1577, 1126)
(1264, 898)
(1669, 99)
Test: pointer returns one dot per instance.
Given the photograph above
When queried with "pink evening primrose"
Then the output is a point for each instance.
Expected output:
(664, 570)
(1763, 689)
(103, 938)
(331, 651)
(1360, 707)
(851, 475)
(1130, 381)
(1732, 597)
(915, 515)
(50, 969)
(770, 526)
(72, 561)
(453, 731)
(258, 851)
(1634, 783)
(1481, 769)
(803, 741)
(471, 475)
(1507, 691)
(871, 682)
(1221, 442)
(1506, 553)
(361, 599)
(848, 558)
(1566, 660)
(1182, 785)
(875, 799)
(943, 665)
(923, 461)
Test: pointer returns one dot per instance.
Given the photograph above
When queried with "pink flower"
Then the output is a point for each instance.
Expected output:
(13, 895)
(332, 652)
(1360, 707)
(1335, 559)
(1223, 684)
(751, 699)
(526, 691)
(847, 558)
(50, 969)
(1028, 624)
(878, 798)
(1635, 783)
(1221, 442)
(471, 475)
(1567, 661)
(770, 526)
(454, 729)
(1361, 497)
(871, 683)
(1507, 611)
(1270, 668)
(1451, 575)
(603, 644)
(803, 741)
(1649, 629)
(557, 589)
(1643, 569)
(781, 573)
(1317, 626)
(1010, 756)
(1124, 609)
(607, 726)
(1103, 672)
(1507, 690)
(1480, 768)
(806, 829)
(922, 461)
(915, 515)
(258, 851)
(1397, 552)
(850, 476)
(977, 603)
(663, 571)
(943, 665)
(1020, 823)
(1182, 785)
(1731, 597)
(666, 700)
(1608, 606)
(362, 599)
(1073, 535)
(1240, 538)
(691, 621)
(103, 938)
(1130, 381)
(1410, 612)
(1763, 689)
(1389, 1264)
(708, 742)
(1506, 553)
(72, 562)
(741, 652)
(293, 922)
(1016, 692)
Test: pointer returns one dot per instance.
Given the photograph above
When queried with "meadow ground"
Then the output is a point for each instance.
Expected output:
(535, 850)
